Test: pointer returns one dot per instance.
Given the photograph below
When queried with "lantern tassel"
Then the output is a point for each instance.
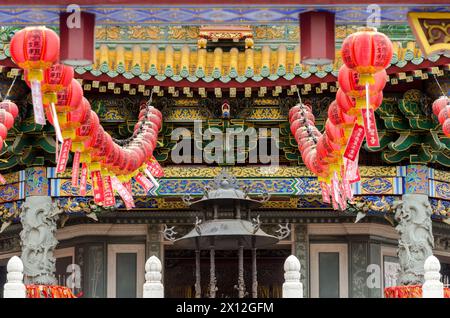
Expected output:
(367, 99)
(38, 108)
(56, 123)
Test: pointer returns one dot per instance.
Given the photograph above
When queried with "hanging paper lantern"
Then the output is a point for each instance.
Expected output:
(367, 52)
(443, 114)
(303, 114)
(70, 121)
(337, 116)
(105, 148)
(348, 81)
(56, 78)
(335, 133)
(88, 127)
(439, 104)
(6, 119)
(298, 107)
(10, 107)
(69, 98)
(3, 131)
(35, 49)
(446, 127)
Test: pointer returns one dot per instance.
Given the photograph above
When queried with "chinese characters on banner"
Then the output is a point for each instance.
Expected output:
(370, 127)
(63, 155)
(354, 143)
(97, 186)
(144, 182)
(123, 192)
(109, 199)
(83, 179)
(75, 168)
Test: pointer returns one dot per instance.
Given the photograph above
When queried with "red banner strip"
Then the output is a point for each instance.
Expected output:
(83, 179)
(144, 182)
(123, 192)
(354, 142)
(109, 200)
(370, 128)
(75, 168)
(97, 186)
(63, 156)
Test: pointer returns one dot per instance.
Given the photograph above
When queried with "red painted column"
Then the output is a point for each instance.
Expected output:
(77, 38)
(317, 37)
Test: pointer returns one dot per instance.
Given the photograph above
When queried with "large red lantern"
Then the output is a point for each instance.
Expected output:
(35, 49)
(367, 52)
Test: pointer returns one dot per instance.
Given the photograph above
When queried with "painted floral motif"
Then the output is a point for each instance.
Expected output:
(9, 192)
(443, 190)
(36, 182)
(376, 185)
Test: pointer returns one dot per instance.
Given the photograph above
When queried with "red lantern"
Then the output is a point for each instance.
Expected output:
(35, 49)
(303, 114)
(337, 116)
(439, 104)
(88, 127)
(348, 81)
(56, 78)
(443, 114)
(446, 127)
(69, 97)
(6, 119)
(3, 131)
(10, 107)
(104, 149)
(70, 121)
(335, 133)
(367, 52)
(1, 143)
(297, 108)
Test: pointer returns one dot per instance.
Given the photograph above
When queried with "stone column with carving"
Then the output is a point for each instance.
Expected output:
(38, 240)
(413, 214)
(301, 247)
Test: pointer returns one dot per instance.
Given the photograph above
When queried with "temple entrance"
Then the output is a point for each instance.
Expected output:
(179, 273)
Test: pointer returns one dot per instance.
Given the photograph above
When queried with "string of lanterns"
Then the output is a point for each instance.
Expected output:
(333, 155)
(59, 97)
(441, 108)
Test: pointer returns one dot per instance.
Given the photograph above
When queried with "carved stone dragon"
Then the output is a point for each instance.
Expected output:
(38, 217)
(416, 242)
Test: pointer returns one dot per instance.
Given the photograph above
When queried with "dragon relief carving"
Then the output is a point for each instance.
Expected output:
(416, 242)
(38, 217)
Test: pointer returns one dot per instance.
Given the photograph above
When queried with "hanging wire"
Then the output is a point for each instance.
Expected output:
(9, 89)
(298, 94)
(126, 142)
(439, 85)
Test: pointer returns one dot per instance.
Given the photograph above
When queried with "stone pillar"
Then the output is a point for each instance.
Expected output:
(433, 287)
(14, 287)
(413, 213)
(38, 217)
(154, 242)
(301, 250)
(292, 288)
(153, 288)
